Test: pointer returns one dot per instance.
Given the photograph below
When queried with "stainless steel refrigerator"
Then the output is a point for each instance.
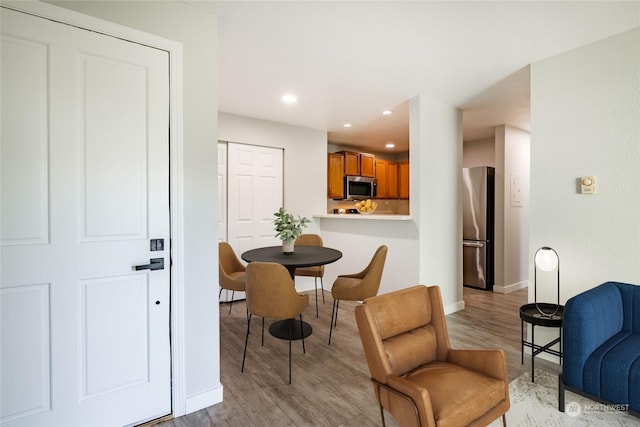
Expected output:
(478, 211)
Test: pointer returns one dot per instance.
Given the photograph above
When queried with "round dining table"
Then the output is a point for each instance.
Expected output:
(302, 256)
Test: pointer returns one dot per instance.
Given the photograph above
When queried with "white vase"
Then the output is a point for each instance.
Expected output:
(287, 246)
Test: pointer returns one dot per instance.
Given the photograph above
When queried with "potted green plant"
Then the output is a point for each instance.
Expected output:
(288, 228)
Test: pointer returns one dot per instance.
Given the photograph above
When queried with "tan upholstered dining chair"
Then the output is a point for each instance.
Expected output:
(418, 378)
(317, 272)
(271, 293)
(231, 271)
(358, 286)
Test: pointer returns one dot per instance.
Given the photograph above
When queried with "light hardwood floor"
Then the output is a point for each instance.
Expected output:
(331, 385)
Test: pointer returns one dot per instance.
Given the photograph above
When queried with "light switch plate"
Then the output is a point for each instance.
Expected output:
(588, 185)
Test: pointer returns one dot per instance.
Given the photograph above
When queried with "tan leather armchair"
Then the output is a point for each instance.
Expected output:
(231, 271)
(417, 377)
(271, 293)
(317, 272)
(358, 286)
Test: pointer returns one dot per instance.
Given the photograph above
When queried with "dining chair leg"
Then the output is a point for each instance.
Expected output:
(220, 293)
(334, 313)
(301, 333)
(316, 286)
(246, 341)
(290, 332)
(231, 305)
(263, 331)
(322, 288)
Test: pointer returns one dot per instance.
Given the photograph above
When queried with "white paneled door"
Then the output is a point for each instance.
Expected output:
(255, 176)
(85, 186)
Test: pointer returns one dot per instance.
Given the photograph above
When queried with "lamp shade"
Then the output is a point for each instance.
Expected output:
(546, 259)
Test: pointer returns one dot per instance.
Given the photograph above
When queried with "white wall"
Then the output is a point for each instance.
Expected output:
(435, 134)
(585, 119)
(198, 33)
(512, 149)
(480, 152)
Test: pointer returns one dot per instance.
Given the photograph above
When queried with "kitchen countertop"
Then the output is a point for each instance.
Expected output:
(385, 217)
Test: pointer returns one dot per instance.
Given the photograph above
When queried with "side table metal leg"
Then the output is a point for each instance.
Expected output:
(522, 342)
(533, 356)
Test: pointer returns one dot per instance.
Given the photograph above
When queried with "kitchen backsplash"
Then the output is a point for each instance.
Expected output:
(385, 206)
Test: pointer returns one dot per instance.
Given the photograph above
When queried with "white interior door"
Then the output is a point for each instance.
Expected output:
(255, 182)
(222, 192)
(85, 183)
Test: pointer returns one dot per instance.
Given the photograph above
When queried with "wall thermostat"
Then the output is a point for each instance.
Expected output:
(588, 185)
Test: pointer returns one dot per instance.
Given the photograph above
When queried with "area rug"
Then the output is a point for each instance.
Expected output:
(536, 404)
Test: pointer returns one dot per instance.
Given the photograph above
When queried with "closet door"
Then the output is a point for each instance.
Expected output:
(254, 194)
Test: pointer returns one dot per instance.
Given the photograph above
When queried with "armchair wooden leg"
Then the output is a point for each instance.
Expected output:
(504, 420)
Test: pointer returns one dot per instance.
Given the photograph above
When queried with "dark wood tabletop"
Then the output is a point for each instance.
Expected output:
(302, 256)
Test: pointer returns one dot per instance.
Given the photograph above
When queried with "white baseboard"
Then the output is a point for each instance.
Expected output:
(452, 308)
(204, 399)
(510, 288)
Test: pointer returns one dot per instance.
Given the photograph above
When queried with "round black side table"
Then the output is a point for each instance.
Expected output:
(529, 313)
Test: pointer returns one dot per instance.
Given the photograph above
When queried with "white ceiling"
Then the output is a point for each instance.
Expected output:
(349, 61)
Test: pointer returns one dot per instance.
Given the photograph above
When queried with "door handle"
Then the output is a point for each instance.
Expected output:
(472, 244)
(154, 264)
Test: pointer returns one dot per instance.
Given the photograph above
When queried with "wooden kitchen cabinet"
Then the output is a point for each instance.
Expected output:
(351, 163)
(387, 178)
(403, 180)
(392, 180)
(381, 179)
(367, 165)
(335, 175)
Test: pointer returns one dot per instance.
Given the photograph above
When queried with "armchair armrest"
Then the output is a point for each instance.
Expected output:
(418, 395)
(489, 362)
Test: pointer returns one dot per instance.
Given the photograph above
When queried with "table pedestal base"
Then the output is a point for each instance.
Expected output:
(280, 329)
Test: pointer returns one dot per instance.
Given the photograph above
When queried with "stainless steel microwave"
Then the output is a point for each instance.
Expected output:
(359, 187)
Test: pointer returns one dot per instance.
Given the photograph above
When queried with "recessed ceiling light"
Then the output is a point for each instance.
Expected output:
(387, 112)
(390, 145)
(347, 125)
(289, 99)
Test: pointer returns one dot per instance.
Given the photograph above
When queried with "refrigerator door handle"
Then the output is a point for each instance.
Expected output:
(473, 244)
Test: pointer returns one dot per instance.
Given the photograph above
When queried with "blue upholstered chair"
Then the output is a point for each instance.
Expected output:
(601, 337)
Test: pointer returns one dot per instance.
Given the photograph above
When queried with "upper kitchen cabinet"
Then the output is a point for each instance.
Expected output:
(351, 163)
(335, 175)
(367, 165)
(403, 180)
(359, 164)
(387, 179)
